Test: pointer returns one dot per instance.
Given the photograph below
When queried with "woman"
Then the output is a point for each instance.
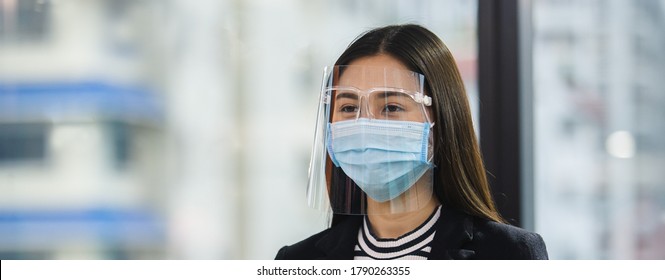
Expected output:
(397, 161)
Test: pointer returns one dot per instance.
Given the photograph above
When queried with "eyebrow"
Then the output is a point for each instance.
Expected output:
(386, 94)
(346, 95)
(382, 94)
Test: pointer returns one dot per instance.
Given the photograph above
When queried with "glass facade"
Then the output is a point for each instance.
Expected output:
(598, 128)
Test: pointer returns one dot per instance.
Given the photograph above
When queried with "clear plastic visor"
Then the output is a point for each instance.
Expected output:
(372, 151)
(384, 103)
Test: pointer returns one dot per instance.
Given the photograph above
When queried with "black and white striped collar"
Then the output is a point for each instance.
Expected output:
(454, 229)
(412, 245)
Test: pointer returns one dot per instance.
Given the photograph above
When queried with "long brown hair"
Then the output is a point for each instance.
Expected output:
(460, 180)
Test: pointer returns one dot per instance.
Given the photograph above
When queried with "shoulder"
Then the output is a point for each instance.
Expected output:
(336, 242)
(503, 241)
(303, 250)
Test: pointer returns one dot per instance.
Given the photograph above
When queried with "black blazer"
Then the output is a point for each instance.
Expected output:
(458, 236)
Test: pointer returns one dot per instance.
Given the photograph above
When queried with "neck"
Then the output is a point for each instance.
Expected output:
(396, 225)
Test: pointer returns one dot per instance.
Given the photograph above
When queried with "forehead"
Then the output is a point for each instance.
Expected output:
(379, 71)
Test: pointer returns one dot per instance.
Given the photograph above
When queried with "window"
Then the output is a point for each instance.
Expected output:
(598, 128)
(22, 142)
(24, 20)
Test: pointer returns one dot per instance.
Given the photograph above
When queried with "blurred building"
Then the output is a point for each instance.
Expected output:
(80, 132)
(598, 98)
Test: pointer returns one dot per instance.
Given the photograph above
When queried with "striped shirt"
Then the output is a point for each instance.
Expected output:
(414, 245)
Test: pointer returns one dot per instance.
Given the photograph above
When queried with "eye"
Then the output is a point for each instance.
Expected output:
(348, 108)
(392, 108)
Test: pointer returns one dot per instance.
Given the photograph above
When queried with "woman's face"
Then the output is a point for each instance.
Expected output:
(377, 87)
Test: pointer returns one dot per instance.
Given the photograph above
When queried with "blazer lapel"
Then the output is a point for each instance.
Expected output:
(338, 244)
(453, 230)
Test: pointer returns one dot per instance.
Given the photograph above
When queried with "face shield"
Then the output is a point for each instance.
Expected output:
(372, 151)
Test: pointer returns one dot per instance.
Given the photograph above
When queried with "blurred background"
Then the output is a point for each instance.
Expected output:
(147, 129)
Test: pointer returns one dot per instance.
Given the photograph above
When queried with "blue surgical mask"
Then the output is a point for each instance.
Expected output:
(383, 157)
